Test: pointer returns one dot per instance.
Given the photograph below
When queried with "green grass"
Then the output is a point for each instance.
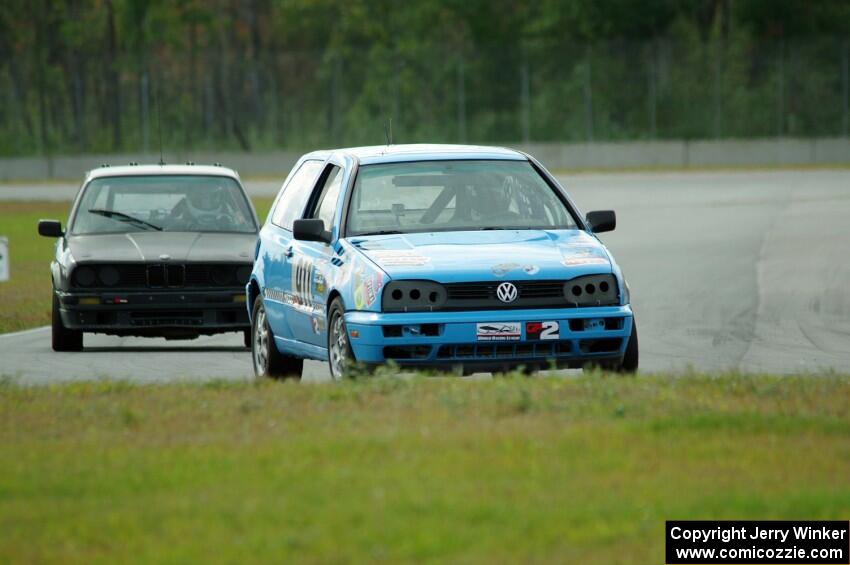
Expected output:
(25, 298)
(384, 470)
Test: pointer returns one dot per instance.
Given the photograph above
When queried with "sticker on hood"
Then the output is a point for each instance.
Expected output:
(503, 269)
(583, 256)
(398, 258)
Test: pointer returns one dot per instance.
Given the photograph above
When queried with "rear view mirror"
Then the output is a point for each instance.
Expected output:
(310, 230)
(601, 220)
(50, 228)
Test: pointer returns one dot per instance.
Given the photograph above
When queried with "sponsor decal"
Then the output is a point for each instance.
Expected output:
(319, 282)
(318, 323)
(573, 261)
(498, 331)
(274, 294)
(399, 258)
(503, 269)
(583, 256)
(293, 300)
(542, 330)
(366, 288)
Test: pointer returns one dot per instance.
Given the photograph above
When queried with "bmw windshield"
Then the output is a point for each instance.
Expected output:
(163, 203)
(458, 195)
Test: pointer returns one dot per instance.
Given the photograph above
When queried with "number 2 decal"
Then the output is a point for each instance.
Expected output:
(542, 330)
(550, 330)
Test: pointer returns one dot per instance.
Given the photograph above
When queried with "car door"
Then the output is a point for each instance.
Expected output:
(311, 261)
(277, 246)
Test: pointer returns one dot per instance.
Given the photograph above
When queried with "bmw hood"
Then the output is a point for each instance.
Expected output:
(486, 255)
(151, 247)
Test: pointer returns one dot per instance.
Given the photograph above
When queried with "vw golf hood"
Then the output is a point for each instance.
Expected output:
(151, 247)
(486, 255)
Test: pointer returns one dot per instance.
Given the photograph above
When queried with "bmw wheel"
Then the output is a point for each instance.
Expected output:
(268, 361)
(340, 355)
(62, 338)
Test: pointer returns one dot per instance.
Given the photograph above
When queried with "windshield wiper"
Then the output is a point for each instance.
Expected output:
(380, 232)
(122, 217)
(511, 228)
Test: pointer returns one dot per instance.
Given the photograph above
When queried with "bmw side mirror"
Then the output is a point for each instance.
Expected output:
(311, 230)
(601, 220)
(50, 228)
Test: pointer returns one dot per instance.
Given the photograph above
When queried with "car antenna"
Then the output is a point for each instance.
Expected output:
(388, 131)
(158, 123)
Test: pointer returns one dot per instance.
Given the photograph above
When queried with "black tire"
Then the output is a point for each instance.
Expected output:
(246, 336)
(267, 360)
(629, 363)
(62, 338)
(631, 357)
(340, 355)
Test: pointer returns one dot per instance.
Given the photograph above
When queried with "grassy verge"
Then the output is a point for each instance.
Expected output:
(529, 470)
(25, 298)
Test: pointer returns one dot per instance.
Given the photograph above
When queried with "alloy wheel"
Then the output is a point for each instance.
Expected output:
(261, 343)
(338, 347)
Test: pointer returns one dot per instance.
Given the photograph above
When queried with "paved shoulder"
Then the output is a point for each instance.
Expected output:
(28, 358)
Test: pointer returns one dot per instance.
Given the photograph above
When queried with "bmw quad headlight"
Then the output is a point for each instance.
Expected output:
(84, 276)
(411, 296)
(592, 290)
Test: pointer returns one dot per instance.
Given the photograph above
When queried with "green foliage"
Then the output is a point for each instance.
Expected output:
(89, 75)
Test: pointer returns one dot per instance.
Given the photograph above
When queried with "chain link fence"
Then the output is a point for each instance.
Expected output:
(611, 91)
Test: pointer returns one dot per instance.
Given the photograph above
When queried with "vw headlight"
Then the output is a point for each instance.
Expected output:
(592, 290)
(410, 296)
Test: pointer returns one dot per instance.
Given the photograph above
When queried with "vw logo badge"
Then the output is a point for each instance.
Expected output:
(506, 292)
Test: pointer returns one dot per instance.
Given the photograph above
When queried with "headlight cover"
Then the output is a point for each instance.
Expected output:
(413, 296)
(592, 290)
(84, 276)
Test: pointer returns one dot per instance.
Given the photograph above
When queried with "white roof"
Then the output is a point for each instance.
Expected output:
(150, 170)
(420, 152)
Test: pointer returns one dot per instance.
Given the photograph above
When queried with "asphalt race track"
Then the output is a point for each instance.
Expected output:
(728, 270)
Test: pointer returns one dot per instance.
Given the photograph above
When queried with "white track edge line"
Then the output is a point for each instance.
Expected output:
(25, 332)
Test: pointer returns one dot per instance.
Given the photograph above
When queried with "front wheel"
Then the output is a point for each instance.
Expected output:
(340, 355)
(62, 338)
(629, 363)
(268, 361)
(630, 359)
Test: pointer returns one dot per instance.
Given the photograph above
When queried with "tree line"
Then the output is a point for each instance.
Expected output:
(100, 75)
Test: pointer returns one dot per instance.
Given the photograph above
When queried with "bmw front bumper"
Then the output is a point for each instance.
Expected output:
(445, 340)
(177, 314)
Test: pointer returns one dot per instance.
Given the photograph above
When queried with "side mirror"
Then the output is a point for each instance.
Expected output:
(601, 220)
(310, 230)
(50, 228)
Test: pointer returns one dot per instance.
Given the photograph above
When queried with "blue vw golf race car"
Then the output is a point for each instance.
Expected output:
(434, 256)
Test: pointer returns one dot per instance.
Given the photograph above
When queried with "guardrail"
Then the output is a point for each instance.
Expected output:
(601, 155)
